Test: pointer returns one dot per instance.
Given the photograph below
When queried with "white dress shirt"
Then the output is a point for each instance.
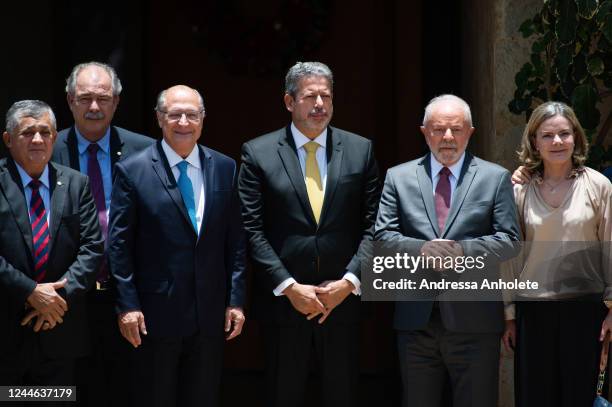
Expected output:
(455, 170)
(300, 139)
(44, 191)
(194, 172)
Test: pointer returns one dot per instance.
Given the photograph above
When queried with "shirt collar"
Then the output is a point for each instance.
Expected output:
(173, 158)
(25, 178)
(455, 169)
(300, 139)
(83, 143)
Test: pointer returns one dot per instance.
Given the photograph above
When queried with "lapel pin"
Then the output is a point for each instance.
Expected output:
(59, 182)
(118, 152)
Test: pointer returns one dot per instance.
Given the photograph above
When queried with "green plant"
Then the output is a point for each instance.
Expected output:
(570, 61)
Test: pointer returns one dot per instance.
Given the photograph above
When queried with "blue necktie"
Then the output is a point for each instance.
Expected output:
(186, 188)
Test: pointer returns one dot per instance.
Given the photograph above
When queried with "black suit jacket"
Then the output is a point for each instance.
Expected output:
(76, 249)
(285, 240)
(181, 282)
(122, 143)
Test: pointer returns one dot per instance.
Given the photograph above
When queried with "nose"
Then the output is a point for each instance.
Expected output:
(319, 100)
(37, 138)
(183, 120)
(557, 139)
(448, 134)
(94, 105)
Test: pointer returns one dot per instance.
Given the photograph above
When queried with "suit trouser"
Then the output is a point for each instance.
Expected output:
(292, 351)
(29, 366)
(101, 376)
(429, 355)
(557, 353)
(177, 371)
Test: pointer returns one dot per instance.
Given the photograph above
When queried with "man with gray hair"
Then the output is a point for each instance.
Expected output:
(93, 146)
(309, 195)
(50, 249)
(449, 204)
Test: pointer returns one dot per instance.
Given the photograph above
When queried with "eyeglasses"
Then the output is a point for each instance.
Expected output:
(194, 116)
(88, 100)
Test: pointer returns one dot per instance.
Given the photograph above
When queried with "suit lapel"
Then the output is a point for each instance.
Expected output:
(10, 181)
(468, 171)
(162, 169)
(73, 149)
(117, 148)
(208, 175)
(426, 186)
(58, 188)
(334, 165)
(289, 157)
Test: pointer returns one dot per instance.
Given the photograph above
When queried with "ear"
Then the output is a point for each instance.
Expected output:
(289, 101)
(69, 99)
(160, 118)
(424, 131)
(470, 132)
(7, 139)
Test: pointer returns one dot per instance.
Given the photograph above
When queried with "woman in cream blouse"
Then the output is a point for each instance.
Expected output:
(565, 212)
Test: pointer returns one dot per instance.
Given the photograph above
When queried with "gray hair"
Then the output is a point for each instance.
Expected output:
(467, 114)
(161, 100)
(305, 69)
(72, 79)
(27, 108)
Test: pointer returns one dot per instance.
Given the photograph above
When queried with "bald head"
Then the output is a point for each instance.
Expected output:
(180, 115)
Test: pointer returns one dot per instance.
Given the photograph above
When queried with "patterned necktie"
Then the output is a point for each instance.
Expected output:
(314, 186)
(443, 197)
(97, 190)
(40, 231)
(186, 188)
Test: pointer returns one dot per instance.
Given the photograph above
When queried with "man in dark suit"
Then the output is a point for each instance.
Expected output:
(449, 203)
(177, 251)
(309, 196)
(93, 146)
(50, 248)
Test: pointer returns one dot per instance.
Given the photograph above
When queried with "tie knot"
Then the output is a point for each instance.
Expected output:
(445, 172)
(182, 166)
(35, 183)
(93, 148)
(311, 147)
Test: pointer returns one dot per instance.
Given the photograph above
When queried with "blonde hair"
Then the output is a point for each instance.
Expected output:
(529, 155)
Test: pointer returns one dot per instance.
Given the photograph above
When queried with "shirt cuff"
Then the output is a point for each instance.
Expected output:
(278, 291)
(353, 279)
(509, 312)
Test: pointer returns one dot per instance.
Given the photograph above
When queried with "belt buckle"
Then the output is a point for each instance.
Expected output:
(102, 285)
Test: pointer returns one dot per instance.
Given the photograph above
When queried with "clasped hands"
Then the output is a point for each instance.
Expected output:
(46, 306)
(312, 300)
(442, 248)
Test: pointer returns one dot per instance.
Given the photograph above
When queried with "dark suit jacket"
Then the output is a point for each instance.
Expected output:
(285, 240)
(122, 143)
(181, 282)
(482, 218)
(76, 249)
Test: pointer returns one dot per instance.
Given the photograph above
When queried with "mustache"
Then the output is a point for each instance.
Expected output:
(94, 115)
(318, 110)
(447, 146)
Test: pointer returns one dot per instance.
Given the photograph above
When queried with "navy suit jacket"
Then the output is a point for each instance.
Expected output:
(76, 249)
(181, 282)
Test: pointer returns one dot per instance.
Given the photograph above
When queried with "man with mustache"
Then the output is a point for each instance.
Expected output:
(92, 146)
(309, 196)
(449, 204)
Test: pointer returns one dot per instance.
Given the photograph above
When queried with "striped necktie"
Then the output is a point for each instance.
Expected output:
(40, 231)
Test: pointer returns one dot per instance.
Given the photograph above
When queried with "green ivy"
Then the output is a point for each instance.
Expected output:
(570, 61)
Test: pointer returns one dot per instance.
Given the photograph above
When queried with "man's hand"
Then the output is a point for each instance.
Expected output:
(233, 316)
(509, 337)
(521, 176)
(43, 321)
(46, 300)
(606, 326)
(442, 248)
(304, 299)
(331, 294)
(131, 325)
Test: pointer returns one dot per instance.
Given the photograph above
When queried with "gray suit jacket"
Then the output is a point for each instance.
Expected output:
(482, 218)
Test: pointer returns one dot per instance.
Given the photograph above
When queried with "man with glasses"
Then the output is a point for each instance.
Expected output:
(177, 252)
(92, 146)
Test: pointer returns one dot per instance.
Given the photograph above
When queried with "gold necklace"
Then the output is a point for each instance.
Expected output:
(553, 188)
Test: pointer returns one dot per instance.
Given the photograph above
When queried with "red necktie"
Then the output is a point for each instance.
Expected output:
(442, 197)
(40, 232)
